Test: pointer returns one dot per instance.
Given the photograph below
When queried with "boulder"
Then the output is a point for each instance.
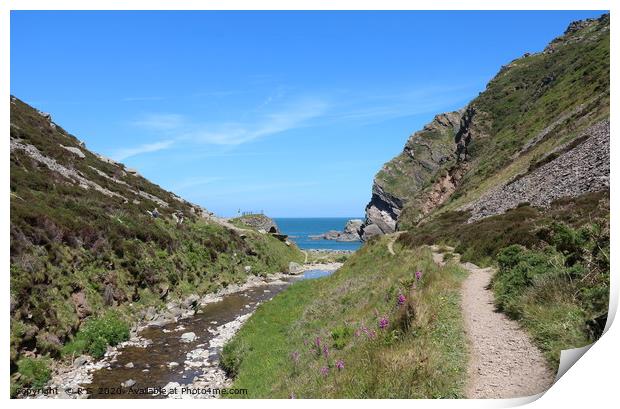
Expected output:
(128, 383)
(188, 337)
(191, 301)
(80, 361)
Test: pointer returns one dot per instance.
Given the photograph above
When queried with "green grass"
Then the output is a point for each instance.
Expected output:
(421, 354)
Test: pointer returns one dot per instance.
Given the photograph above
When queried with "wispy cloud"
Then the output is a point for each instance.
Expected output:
(237, 133)
(160, 122)
(180, 129)
(125, 153)
(278, 112)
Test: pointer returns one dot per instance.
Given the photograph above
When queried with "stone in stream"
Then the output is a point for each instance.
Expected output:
(80, 361)
(188, 337)
(128, 383)
(129, 365)
(191, 301)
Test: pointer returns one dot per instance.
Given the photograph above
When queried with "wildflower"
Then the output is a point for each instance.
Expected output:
(295, 356)
(324, 371)
(369, 333)
(317, 342)
(401, 299)
(383, 323)
(418, 275)
(340, 364)
(325, 351)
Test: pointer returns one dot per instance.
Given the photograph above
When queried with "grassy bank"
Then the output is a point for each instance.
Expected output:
(55, 327)
(347, 336)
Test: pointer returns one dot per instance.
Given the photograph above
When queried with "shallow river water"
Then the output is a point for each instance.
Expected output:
(162, 361)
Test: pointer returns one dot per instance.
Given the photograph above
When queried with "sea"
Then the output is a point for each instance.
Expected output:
(299, 230)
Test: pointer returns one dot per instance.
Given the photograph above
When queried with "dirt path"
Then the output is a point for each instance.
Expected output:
(503, 363)
(390, 245)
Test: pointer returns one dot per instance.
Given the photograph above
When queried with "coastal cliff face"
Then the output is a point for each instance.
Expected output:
(426, 153)
(542, 118)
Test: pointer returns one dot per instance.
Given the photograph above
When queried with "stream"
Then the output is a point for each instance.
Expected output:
(165, 360)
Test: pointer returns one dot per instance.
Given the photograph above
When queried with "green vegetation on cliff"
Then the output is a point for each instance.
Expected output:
(346, 335)
(89, 235)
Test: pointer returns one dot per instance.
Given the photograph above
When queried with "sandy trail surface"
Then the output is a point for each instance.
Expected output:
(504, 363)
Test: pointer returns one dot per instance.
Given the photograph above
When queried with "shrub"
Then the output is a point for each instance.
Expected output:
(518, 267)
(97, 334)
(560, 291)
(34, 372)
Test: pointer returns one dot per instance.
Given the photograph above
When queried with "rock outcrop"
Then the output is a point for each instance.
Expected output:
(259, 222)
(426, 152)
(352, 232)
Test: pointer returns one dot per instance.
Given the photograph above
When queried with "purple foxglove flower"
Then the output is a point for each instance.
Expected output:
(401, 299)
(340, 364)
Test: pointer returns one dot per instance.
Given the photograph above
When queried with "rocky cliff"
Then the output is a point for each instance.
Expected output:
(538, 105)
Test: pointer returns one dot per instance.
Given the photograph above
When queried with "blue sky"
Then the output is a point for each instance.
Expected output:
(291, 113)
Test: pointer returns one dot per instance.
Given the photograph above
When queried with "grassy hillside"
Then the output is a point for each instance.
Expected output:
(346, 335)
(556, 281)
(89, 235)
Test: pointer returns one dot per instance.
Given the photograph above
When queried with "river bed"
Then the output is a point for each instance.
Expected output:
(160, 361)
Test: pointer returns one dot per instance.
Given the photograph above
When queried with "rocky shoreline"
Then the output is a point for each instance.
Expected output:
(352, 232)
(68, 379)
